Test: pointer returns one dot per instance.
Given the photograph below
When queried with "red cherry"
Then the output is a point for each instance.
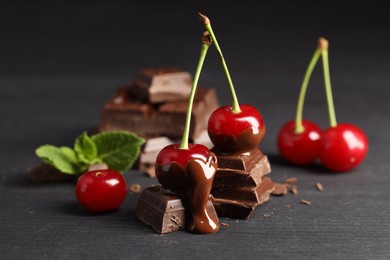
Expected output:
(343, 147)
(101, 190)
(236, 132)
(302, 148)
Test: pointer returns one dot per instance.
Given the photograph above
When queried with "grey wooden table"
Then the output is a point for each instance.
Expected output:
(60, 62)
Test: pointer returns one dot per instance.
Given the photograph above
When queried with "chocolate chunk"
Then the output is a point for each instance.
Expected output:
(239, 209)
(47, 173)
(168, 119)
(243, 162)
(246, 195)
(158, 85)
(280, 189)
(234, 178)
(164, 211)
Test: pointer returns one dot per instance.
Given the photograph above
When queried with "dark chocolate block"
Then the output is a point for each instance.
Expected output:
(163, 210)
(238, 178)
(158, 85)
(247, 195)
(241, 209)
(168, 119)
(243, 162)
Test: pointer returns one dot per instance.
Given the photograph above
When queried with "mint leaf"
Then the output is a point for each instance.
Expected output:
(63, 158)
(119, 149)
(86, 150)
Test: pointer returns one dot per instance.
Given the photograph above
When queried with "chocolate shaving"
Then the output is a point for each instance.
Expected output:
(224, 224)
(280, 189)
(291, 180)
(319, 186)
(294, 190)
(175, 219)
(305, 202)
(135, 188)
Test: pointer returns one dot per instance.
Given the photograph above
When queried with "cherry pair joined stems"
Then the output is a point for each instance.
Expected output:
(206, 22)
(321, 51)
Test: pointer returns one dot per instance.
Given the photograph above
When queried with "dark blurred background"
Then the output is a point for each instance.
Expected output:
(61, 60)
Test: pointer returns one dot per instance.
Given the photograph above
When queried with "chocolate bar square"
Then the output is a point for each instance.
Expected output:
(163, 210)
(168, 119)
(158, 85)
(243, 162)
(226, 177)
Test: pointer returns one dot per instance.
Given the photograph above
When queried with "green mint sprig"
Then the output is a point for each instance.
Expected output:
(119, 150)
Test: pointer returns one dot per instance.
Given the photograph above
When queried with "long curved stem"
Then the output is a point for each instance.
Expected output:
(298, 118)
(328, 88)
(235, 105)
(186, 133)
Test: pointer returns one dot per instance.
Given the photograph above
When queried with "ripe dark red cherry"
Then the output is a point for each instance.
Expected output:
(343, 147)
(236, 132)
(101, 190)
(299, 148)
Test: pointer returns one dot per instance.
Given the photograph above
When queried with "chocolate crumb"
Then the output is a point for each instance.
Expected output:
(266, 215)
(288, 206)
(280, 189)
(294, 190)
(319, 186)
(224, 224)
(291, 180)
(135, 188)
(175, 219)
(305, 202)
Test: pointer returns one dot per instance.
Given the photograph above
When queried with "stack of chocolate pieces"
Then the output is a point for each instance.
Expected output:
(241, 184)
(154, 105)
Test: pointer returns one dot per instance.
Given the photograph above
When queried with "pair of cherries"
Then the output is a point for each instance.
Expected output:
(340, 148)
(189, 169)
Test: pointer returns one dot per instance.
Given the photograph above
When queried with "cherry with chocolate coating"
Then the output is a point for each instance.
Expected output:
(101, 190)
(300, 148)
(343, 147)
(233, 132)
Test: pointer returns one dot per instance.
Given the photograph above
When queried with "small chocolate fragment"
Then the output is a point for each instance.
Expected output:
(135, 188)
(294, 190)
(243, 162)
(305, 202)
(238, 178)
(280, 189)
(167, 119)
(163, 210)
(158, 85)
(46, 173)
(319, 186)
(292, 180)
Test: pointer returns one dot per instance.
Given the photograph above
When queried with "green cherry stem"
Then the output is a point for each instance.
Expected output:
(206, 21)
(206, 42)
(323, 45)
(298, 118)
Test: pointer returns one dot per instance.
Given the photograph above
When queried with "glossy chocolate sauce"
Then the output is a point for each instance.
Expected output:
(193, 184)
(248, 140)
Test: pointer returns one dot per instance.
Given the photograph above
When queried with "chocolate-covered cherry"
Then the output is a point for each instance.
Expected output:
(189, 169)
(236, 132)
(236, 128)
(101, 190)
(299, 148)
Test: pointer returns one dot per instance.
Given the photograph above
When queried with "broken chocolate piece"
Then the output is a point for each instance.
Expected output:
(247, 195)
(47, 173)
(168, 119)
(238, 209)
(238, 178)
(280, 189)
(158, 85)
(243, 162)
(163, 210)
